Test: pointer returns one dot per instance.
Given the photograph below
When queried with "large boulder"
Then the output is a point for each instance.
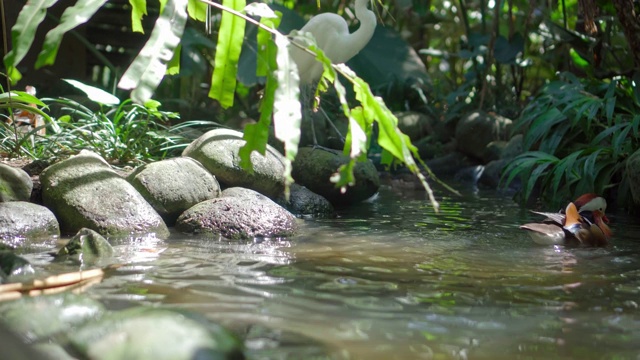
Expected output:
(19, 219)
(238, 214)
(304, 202)
(314, 166)
(476, 130)
(15, 184)
(218, 151)
(174, 185)
(83, 191)
(415, 124)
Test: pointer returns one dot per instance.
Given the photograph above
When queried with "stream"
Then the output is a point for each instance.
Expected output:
(392, 279)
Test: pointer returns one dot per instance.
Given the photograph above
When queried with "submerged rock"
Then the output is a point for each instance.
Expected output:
(83, 191)
(172, 186)
(238, 214)
(217, 150)
(88, 245)
(35, 318)
(149, 333)
(304, 202)
(19, 219)
(15, 184)
(12, 264)
(314, 166)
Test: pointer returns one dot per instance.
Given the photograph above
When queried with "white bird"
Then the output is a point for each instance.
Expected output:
(331, 33)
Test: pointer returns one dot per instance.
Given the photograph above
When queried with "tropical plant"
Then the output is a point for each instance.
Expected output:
(160, 55)
(579, 134)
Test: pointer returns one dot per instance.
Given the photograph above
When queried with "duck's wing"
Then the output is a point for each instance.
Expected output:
(556, 218)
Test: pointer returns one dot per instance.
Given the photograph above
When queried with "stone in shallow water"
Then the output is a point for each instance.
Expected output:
(304, 202)
(15, 184)
(83, 191)
(86, 245)
(34, 318)
(172, 186)
(149, 333)
(19, 219)
(314, 167)
(239, 214)
(217, 150)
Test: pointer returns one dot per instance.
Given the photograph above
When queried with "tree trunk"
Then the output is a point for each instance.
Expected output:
(630, 21)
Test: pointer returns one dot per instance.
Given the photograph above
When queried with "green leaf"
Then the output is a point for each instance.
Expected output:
(264, 40)
(138, 10)
(72, 16)
(230, 37)
(197, 10)
(23, 33)
(148, 68)
(173, 67)
(98, 95)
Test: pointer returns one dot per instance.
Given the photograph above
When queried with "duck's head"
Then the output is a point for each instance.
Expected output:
(593, 203)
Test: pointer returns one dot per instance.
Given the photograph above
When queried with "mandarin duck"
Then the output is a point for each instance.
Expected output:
(583, 222)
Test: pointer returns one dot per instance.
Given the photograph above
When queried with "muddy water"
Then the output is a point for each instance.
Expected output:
(391, 279)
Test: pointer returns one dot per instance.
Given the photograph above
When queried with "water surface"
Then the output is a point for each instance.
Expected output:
(391, 279)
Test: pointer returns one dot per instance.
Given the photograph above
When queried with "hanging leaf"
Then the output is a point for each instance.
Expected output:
(138, 10)
(230, 37)
(148, 68)
(98, 95)
(23, 33)
(73, 16)
(287, 112)
(197, 10)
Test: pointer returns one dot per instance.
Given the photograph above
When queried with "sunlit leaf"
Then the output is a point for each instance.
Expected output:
(197, 10)
(23, 33)
(94, 93)
(138, 10)
(149, 67)
(230, 37)
(72, 16)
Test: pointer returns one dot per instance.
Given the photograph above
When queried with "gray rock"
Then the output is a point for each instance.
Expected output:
(492, 173)
(493, 151)
(174, 185)
(304, 202)
(15, 184)
(448, 165)
(514, 147)
(633, 174)
(149, 333)
(217, 150)
(414, 124)
(83, 191)
(19, 219)
(87, 245)
(34, 318)
(314, 166)
(238, 214)
(12, 264)
(476, 130)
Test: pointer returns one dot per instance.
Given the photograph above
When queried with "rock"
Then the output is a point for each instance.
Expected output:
(304, 202)
(83, 191)
(12, 264)
(314, 166)
(15, 184)
(414, 124)
(448, 165)
(513, 148)
(19, 219)
(238, 214)
(174, 185)
(15, 348)
(150, 333)
(633, 174)
(478, 129)
(492, 173)
(217, 150)
(493, 151)
(34, 318)
(87, 245)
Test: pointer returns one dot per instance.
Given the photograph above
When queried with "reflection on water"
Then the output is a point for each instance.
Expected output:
(393, 280)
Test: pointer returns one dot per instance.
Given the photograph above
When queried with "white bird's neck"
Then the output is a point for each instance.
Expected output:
(367, 22)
